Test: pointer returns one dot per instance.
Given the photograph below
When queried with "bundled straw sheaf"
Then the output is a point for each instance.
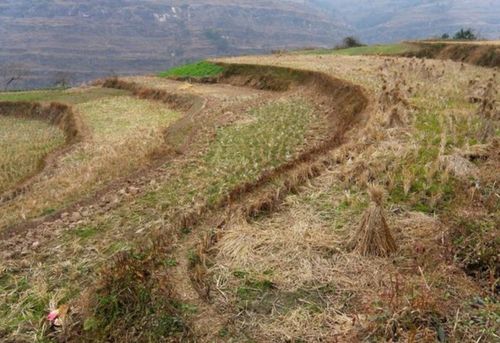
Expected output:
(373, 236)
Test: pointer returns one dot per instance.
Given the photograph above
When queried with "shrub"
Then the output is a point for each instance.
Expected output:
(349, 42)
(465, 34)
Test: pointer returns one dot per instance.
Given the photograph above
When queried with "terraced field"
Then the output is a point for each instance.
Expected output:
(238, 210)
(24, 144)
(120, 133)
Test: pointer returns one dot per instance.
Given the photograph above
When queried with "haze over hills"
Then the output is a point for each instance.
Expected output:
(394, 20)
(53, 41)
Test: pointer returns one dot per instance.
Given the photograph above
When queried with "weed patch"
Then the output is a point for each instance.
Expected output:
(131, 302)
(477, 244)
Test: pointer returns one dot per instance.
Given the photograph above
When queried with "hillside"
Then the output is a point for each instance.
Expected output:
(59, 42)
(79, 41)
(274, 198)
(379, 21)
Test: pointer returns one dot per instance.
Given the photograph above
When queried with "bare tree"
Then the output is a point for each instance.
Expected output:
(11, 73)
(62, 79)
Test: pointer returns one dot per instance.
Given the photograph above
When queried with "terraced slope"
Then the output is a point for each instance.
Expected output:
(482, 53)
(227, 158)
(242, 231)
(292, 274)
(120, 133)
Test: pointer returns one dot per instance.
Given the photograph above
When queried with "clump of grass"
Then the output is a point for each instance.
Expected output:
(488, 111)
(373, 236)
(199, 69)
(23, 145)
(476, 244)
(130, 302)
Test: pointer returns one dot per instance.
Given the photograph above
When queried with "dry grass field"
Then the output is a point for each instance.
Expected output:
(24, 143)
(121, 133)
(317, 198)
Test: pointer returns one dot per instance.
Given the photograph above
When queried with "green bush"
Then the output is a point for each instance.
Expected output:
(465, 34)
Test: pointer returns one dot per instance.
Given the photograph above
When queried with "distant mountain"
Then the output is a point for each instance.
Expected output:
(53, 41)
(81, 40)
(395, 20)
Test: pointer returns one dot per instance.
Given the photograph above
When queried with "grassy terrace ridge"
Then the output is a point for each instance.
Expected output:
(385, 49)
(198, 69)
(23, 145)
(68, 96)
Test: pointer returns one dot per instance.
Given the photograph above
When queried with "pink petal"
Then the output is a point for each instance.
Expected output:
(53, 315)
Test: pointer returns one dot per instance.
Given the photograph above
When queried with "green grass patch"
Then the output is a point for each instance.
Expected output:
(85, 232)
(428, 189)
(386, 49)
(239, 154)
(199, 69)
(68, 96)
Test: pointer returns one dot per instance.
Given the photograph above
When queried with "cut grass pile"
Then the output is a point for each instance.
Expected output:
(23, 145)
(123, 132)
(317, 286)
(199, 69)
(385, 50)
